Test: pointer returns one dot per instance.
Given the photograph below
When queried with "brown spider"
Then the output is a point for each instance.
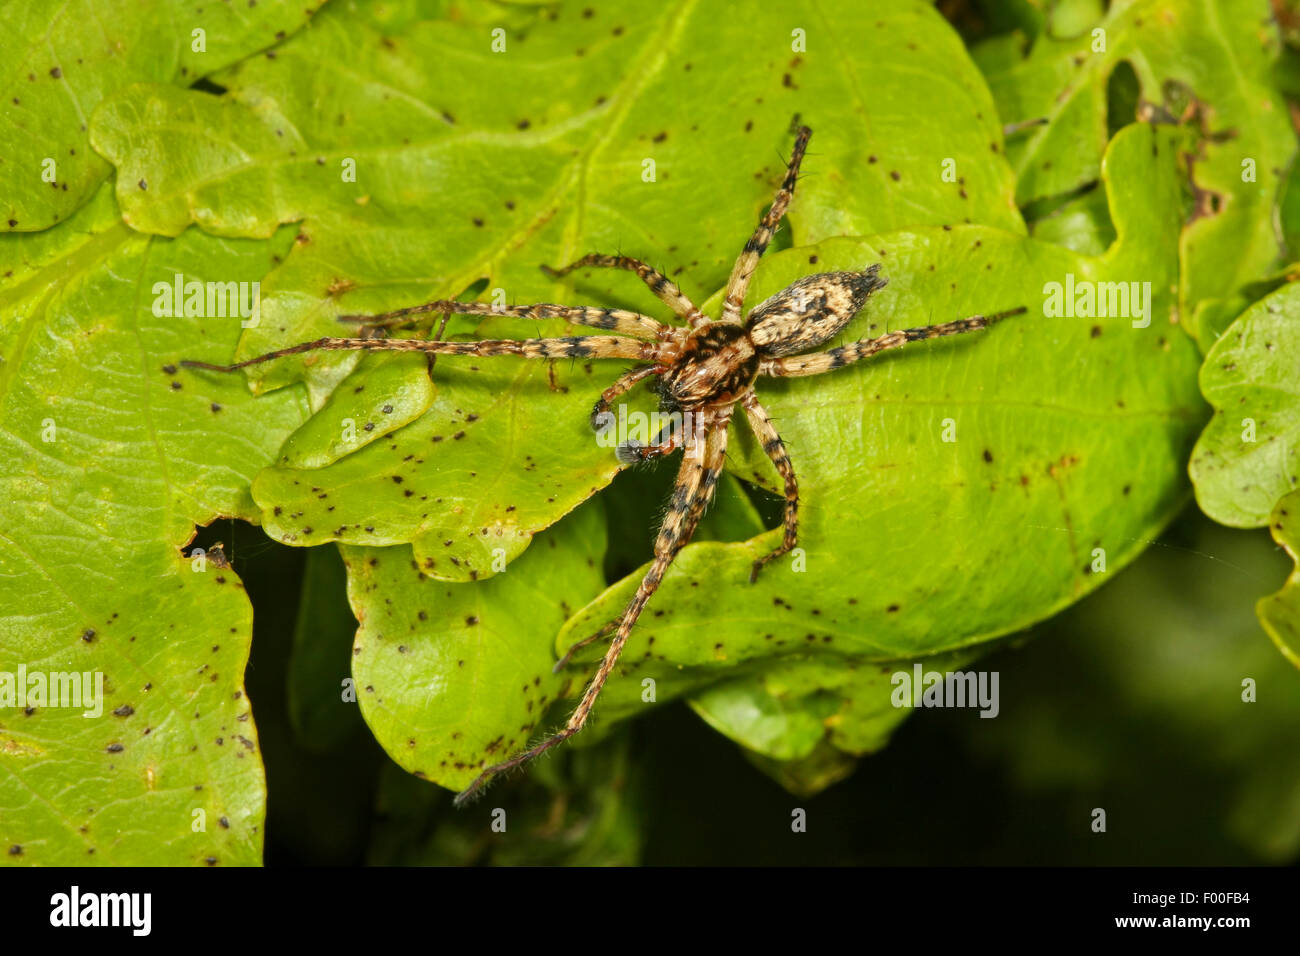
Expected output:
(704, 370)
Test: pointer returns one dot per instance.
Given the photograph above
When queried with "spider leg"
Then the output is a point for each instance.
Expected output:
(431, 359)
(673, 435)
(605, 631)
(658, 283)
(744, 268)
(614, 320)
(696, 482)
(572, 346)
(620, 387)
(634, 453)
(761, 423)
(668, 440)
(818, 362)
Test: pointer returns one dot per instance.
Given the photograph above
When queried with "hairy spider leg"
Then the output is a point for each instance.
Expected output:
(604, 632)
(663, 287)
(613, 320)
(621, 386)
(744, 268)
(630, 452)
(573, 346)
(761, 422)
(668, 440)
(696, 481)
(816, 363)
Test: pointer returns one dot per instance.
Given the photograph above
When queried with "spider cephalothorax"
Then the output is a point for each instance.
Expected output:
(719, 361)
(705, 369)
(716, 365)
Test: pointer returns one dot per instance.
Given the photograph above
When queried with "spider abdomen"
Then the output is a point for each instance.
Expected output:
(716, 365)
(810, 311)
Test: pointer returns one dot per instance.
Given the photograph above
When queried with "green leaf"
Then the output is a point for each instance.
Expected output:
(416, 160)
(548, 156)
(61, 62)
(1082, 224)
(1249, 455)
(380, 397)
(803, 721)
(914, 546)
(1072, 18)
(453, 676)
(443, 81)
(1280, 612)
(1209, 63)
(108, 458)
(469, 172)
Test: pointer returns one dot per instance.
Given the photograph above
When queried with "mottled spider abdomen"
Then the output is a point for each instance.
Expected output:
(808, 312)
(717, 363)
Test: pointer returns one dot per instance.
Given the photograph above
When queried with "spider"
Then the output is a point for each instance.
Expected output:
(706, 368)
